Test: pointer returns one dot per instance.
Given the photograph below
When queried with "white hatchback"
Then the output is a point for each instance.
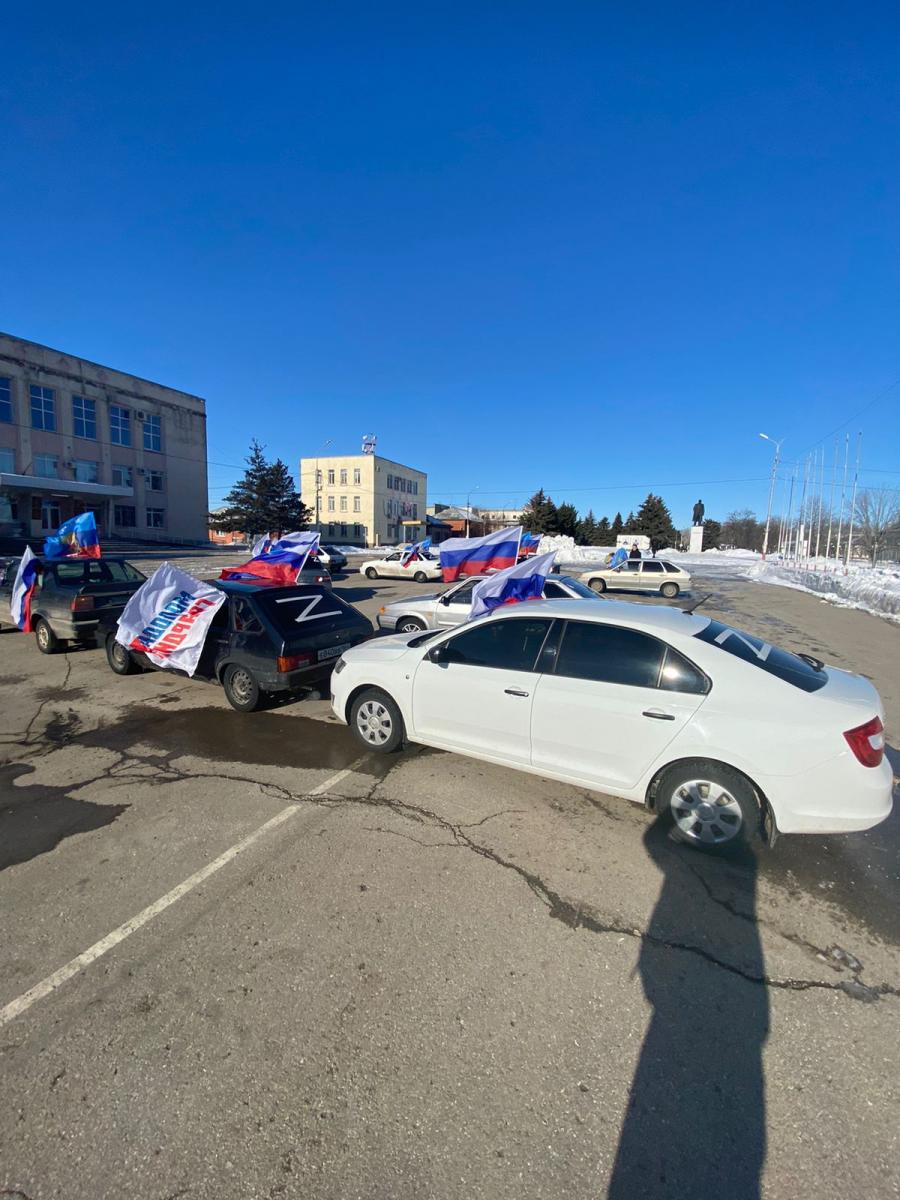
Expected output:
(422, 570)
(738, 739)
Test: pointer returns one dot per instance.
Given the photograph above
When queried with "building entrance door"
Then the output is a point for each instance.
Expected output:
(49, 516)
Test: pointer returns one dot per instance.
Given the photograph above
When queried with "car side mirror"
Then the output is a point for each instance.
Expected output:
(445, 599)
(438, 654)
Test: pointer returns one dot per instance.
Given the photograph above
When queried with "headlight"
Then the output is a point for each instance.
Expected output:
(339, 665)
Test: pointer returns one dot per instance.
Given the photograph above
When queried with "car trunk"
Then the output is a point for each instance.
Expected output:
(853, 691)
(316, 626)
(102, 599)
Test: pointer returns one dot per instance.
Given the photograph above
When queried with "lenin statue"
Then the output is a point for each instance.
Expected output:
(699, 510)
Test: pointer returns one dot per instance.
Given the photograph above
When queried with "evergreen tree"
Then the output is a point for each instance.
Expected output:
(566, 519)
(616, 528)
(539, 514)
(264, 501)
(603, 533)
(586, 530)
(655, 521)
(712, 534)
(630, 524)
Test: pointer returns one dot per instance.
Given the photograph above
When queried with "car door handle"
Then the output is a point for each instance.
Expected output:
(514, 692)
(657, 715)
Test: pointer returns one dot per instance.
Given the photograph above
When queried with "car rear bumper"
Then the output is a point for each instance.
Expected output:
(295, 681)
(839, 796)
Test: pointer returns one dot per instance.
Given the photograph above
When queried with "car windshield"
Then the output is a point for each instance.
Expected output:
(579, 588)
(772, 659)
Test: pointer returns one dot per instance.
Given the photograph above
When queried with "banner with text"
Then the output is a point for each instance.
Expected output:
(168, 618)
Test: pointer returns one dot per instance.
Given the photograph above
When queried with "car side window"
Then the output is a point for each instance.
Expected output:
(680, 675)
(392, 558)
(462, 595)
(97, 572)
(245, 619)
(552, 591)
(609, 654)
(511, 644)
(672, 570)
(69, 574)
(633, 565)
(654, 568)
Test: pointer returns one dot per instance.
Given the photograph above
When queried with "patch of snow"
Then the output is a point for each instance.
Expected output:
(874, 590)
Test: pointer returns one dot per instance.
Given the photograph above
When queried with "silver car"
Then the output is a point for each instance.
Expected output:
(442, 610)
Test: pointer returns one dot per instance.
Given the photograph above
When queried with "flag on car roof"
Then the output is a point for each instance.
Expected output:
(620, 556)
(281, 562)
(75, 538)
(415, 552)
(23, 589)
(168, 618)
(524, 581)
(474, 556)
(260, 546)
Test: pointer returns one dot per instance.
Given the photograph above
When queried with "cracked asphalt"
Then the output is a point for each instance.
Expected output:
(435, 978)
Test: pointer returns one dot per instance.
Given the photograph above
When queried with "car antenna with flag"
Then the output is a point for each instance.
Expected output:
(695, 604)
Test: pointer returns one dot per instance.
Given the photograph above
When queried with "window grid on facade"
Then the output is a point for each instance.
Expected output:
(86, 471)
(122, 477)
(6, 408)
(119, 425)
(125, 516)
(357, 504)
(46, 465)
(7, 459)
(343, 503)
(357, 475)
(156, 518)
(84, 417)
(153, 432)
(331, 503)
(330, 476)
(154, 481)
(343, 476)
(43, 408)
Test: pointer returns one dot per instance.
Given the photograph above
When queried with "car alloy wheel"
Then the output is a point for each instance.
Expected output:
(371, 573)
(374, 723)
(597, 585)
(669, 590)
(706, 812)
(410, 625)
(420, 577)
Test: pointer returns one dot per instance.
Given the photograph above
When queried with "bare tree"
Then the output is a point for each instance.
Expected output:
(877, 515)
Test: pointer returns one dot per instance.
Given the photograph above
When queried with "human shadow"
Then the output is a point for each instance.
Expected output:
(695, 1122)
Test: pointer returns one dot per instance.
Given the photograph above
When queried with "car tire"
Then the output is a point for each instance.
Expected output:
(669, 590)
(712, 807)
(420, 577)
(120, 659)
(241, 689)
(410, 625)
(47, 641)
(597, 585)
(371, 573)
(376, 721)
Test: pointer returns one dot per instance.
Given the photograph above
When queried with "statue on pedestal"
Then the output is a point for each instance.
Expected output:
(699, 510)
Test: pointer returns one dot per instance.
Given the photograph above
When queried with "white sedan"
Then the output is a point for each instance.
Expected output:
(422, 570)
(736, 738)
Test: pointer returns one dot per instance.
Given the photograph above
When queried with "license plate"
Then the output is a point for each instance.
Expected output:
(333, 651)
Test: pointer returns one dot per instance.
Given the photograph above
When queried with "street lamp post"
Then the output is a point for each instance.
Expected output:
(771, 490)
(319, 480)
(469, 507)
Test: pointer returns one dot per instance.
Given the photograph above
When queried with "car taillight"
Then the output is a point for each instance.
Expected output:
(867, 742)
(82, 603)
(320, 579)
(290, 662)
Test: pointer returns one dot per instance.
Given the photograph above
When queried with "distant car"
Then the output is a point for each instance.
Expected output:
(332, 557)
(422, 570)
(264, 641)
(733, 738)
(73, 597)
(443, 610)
(639, 575)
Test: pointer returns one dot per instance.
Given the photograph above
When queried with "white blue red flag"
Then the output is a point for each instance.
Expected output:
(168, 618)
(76, 538)
(416, 552)
(524, 581)
(475, 556)
(23, 589)
(260, 546)
(281, 562)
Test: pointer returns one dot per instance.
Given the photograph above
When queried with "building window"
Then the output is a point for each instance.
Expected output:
(6, 413)
(331, 529)
(154, 481)
(331, 503)
(343, 529)
(124, 516)
(156, 518)
(119, 425)
(84, 417)
(415, 509)
(47, 466)
(7, 459)
(357, 475)
(390, 481)
(415, 487)
(344, 476)
(43, 409)
(153, 432)
(122, 477)
(357, 530)
(357, 504)
(343, 503)
(331, 476)
(86, 471)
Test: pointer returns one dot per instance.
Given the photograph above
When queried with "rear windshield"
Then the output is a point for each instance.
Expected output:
(306, 610)
(579, 588)
(772, 659)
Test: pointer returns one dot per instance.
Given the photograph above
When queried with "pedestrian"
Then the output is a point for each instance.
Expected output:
(634, 553)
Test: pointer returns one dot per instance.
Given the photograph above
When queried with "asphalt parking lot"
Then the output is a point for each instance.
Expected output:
(242, 959)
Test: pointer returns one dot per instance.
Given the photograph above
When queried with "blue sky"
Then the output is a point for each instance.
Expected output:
(596, 247)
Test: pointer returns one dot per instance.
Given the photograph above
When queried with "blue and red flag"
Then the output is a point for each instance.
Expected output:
(280, 562)
(524, 581)
(415, 552)
(23, 588)
(474, 556)
(530, 543)
(75, 538)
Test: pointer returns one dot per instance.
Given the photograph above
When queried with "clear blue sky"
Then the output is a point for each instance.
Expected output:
(578, 245)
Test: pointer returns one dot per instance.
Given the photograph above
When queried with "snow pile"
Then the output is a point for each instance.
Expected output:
(872, 589)
(568, 552)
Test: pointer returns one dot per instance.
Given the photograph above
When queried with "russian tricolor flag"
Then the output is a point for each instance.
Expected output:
(23, 589)
(525, 581)
(281, 562)
(415, 552)
(474, 556)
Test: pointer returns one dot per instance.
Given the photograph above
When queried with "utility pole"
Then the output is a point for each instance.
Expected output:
(837, 553)
(788, 532)
(853, 501)
(319, 480)
(821, 497)
(771, 490)
(831, 502)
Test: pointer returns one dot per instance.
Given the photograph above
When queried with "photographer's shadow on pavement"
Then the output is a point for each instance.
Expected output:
(695, 1124)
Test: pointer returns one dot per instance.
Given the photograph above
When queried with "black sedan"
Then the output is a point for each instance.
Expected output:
(265, 640)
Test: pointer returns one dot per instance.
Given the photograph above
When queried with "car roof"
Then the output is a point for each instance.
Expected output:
(654, 618)
(244, 587)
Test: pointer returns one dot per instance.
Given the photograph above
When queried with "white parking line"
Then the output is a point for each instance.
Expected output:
(16, 1007)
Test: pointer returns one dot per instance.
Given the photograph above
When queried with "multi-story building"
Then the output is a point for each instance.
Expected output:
(364, 499)
(75, 436)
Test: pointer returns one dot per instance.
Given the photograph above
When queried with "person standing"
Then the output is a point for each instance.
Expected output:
(634, 552)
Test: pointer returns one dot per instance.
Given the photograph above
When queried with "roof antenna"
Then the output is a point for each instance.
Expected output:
(695, 604)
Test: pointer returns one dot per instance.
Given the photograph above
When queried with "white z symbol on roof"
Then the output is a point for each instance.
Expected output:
(308, 614)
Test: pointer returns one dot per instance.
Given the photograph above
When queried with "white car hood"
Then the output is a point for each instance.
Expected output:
(381, 649)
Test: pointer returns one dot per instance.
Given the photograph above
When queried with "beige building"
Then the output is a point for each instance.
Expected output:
(364, 499)
(75, 436)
